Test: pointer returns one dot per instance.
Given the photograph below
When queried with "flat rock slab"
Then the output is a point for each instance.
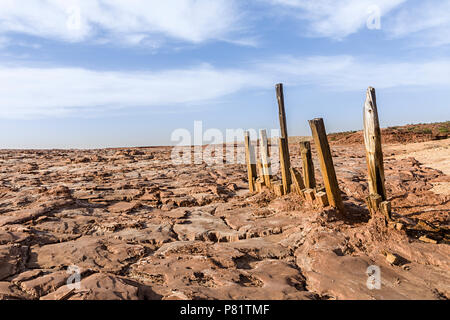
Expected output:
(99, 286)
(200, 225)
(25, 215)
(197, 276)
(45, 284)
(8, 291)
(260, 248)
(87, 252)
(73, 226)
(153, 234)
(124, 207)
(12, 237)
(123, 195)
(12, 259)
(335, 272)
(26, 275)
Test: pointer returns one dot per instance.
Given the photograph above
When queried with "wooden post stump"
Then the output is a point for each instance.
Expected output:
(309, 195)
(322, 199)
(372, 140)
(284, 165)
(326, 164)
(297, 181)
(379, 210)
(259, 184)
(251, 162)
(265, 163)
(386, 209)
(259, 169)
(308, 165)
(278, 189)
(373, 202)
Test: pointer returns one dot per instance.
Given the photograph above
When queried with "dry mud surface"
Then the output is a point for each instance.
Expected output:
(140, 227)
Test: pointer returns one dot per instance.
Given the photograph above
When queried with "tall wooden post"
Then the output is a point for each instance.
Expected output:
(326, 164)
(308, 165)
(284, 133)
(284, 166)
(281, 111)
(251, 162)
(372, 140)
(264, 150)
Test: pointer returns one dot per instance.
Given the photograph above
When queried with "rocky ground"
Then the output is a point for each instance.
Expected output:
(404, 134)
(140, 227)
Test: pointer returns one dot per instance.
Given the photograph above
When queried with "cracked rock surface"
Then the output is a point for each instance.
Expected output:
(138, 226)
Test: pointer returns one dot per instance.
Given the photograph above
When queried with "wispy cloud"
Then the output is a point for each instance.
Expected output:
(347, 73)
(46, 92)
(35, 92)
(428, 22)
(130, 21)
(336, 19)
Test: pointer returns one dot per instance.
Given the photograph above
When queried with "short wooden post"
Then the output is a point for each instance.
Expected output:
(297, 181)
(309, 195)
(251, 162)
(284, 165)
(372, 140)
(308, 165)
(322, 198)
(265, 163)
(259, 169)
(386, 209)
(278, 189)
(283, 124)
(326, 164)
(259, 184)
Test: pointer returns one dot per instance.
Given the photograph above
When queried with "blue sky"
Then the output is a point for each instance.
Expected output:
(109, 73)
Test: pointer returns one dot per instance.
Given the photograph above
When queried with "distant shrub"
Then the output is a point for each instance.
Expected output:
(443, 129)
(424, 131)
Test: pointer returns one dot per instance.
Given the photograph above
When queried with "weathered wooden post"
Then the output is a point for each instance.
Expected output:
(372, 140)
(308, 165)
(326, 164)
(281, 111)
(251, 162)
(284, 165)
(278, 189)
(297, 181)
(264, 150)
(377, 200)
(284, 133)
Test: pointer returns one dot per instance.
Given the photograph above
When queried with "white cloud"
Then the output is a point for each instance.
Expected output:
(116, 20)
(428, 22)
(29, 92)
(42, 92)
(336, 19)
(346, 73)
